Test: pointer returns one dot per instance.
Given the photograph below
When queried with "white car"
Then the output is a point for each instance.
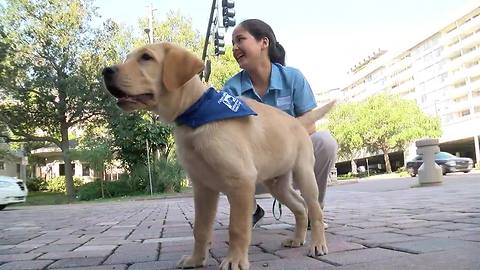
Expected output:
(12, 190)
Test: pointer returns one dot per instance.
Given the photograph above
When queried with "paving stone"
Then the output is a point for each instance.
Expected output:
(19, 257)
(93, 248)
(14, 250)
(357, 231)
(376, 239)
(170, 239)
(361, 255)
(164, 265)
(77, 262)
(420, 231)
(455, 226)
(420, 223)
(26, 265)
(76, 254)
(458, 259)
(304, 263)
(430, 245)
(99, 267)
(73, 240)
(134, 253)
(56, 248)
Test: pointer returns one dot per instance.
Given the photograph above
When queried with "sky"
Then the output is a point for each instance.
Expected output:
(323, 39)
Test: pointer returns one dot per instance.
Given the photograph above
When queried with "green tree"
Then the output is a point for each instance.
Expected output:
(132, 130)
(341, 123)
(50, 71)
(177, 29)
(390, 123)
(223, 68)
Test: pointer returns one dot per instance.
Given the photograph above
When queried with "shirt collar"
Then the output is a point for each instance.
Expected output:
(275, 79)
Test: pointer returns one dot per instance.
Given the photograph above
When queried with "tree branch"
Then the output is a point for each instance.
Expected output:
(85, 118)
(29, 138)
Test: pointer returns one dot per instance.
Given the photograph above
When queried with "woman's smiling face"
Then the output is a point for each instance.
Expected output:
(246, 49)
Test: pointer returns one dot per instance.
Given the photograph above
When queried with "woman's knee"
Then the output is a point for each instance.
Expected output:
(324, 143)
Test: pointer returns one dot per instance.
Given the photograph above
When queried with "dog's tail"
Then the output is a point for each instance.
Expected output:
(316, 114)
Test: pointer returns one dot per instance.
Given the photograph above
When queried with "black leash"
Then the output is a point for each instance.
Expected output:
(279, 210)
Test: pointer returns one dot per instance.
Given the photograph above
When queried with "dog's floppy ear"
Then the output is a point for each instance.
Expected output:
(179, 66)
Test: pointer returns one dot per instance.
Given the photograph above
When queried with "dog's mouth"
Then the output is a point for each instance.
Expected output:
(123, 98)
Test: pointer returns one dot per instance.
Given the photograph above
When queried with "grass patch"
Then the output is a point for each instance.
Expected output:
(52, 198)
(45, 198)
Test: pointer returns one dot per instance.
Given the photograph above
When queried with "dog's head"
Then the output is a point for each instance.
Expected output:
(149, 77)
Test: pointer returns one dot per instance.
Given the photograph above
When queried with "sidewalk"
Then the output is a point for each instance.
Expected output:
(377, 224)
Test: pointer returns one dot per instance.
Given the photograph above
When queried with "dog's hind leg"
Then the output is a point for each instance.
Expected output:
(205, 200)
(305, 178)
(282, 190)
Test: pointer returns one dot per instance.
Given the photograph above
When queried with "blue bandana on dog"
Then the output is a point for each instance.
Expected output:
(214, 106)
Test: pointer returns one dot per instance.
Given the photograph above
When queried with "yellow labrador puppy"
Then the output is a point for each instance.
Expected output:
(228, 156)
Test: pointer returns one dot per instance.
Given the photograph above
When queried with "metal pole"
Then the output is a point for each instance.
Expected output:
(150, 24)
(149, 171)
(207, 35)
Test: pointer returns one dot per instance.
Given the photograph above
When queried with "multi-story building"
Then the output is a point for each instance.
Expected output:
(441, 72)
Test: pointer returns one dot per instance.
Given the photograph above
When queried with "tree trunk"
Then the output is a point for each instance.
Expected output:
(387, 161)
(353, 167)
(68, 162)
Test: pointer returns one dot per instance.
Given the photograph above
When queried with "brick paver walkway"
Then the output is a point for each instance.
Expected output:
(376, 224)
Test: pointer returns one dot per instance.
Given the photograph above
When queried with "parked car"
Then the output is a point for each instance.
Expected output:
(12, 190)
(447, 161)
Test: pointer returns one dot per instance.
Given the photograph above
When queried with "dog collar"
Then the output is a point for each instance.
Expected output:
(214, 106)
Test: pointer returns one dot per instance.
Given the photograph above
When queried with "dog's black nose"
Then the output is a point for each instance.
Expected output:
(108, 72)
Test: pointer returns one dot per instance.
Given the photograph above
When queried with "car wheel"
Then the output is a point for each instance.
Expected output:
(2, 206)
(466, 171)
(444, 170)
(411, 172)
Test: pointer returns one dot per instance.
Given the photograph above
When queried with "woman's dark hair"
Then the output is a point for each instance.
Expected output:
(259, 29)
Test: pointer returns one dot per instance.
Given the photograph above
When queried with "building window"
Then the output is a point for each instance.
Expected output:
(2, 166)
(61, 169)
(465, 113)
(85, 169)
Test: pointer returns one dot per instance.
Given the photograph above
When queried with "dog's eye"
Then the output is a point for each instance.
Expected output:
(146, 57)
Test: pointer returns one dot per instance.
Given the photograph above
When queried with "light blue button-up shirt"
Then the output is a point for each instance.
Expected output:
(289, 91)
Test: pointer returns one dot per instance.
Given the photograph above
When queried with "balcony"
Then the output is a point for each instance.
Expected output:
(450, 52)
(464, 28)
(456, 77)
(466, 58)
(469, 26)
(458, 92)
(456, 107)
(471, 41)
(473, 71)
(404, 87)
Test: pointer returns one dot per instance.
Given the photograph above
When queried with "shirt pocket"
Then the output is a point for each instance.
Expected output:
(284, 103)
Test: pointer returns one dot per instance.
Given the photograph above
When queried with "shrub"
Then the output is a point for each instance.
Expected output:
(57, 184)
(169, 176)
(402, 171)
(93, 190)
(90, 191)
(36, 184)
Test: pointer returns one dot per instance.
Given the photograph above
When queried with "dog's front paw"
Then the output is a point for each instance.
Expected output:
(188, 261)
(317, 248)
(293, 242)
(235, 263)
